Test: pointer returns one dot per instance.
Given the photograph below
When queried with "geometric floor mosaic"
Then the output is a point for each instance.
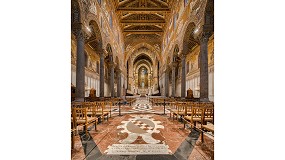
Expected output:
(140, 134)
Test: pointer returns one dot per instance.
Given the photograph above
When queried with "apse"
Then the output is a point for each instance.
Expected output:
(143, 78)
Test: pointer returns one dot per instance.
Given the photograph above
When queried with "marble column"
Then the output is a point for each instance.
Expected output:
(166, 89)
(111, 64)
(102, 57)
(119, 83)
(204, 66)
(80, 67)
(183, 76)
(174, 65)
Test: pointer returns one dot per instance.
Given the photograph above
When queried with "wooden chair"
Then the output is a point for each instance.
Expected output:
(208, 114)
(196, 115)
(188, 108)
(73, 121)
(180, 110)
(100, 105)
(80, 117)
(73, 125)
(172, 108)
(91, 111)
(207, 117)
(108, 107)
(168, 101)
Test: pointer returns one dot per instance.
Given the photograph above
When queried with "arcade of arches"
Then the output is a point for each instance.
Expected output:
(136, 54)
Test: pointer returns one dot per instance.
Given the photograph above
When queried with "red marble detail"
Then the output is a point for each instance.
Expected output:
(172, 135)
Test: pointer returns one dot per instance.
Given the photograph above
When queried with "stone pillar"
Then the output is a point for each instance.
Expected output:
(166, 89)
(183, 76)
(102, 57)
(204, 66)
(119, 83)
(174, 65)
(111, 64)
(80, 67)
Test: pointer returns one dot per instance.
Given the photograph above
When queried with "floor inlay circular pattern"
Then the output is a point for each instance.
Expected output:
(139, 126)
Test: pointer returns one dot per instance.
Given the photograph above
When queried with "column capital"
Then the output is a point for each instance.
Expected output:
(204, 36)
(81, 35)
(111, 64)
(101, 53)
(183, 56)
(76, 27)
(118, 71)
(174, 64)
(166, 69)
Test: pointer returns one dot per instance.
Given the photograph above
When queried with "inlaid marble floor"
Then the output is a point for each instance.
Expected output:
(141, 133)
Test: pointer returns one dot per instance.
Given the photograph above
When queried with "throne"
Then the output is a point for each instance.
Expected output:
(92, 92)
(189, 93)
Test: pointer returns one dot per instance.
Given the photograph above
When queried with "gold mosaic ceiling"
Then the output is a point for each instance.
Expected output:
(143, 20)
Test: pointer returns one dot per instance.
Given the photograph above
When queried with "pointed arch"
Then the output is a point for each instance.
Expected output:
(95, 41)
(136, 47)
(188, 39)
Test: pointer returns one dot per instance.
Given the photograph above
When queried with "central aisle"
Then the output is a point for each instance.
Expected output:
(140, 133)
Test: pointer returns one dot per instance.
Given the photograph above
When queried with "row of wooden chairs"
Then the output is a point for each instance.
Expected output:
(193, 112)
(88, 113)
(181, 109)
(131, 101)
(157, 101)
(201, 112)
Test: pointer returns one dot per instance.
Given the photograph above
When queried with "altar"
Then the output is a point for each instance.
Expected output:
(143, 91)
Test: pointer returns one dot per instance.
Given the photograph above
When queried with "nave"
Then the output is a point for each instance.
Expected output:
(142, 79)
(142, 129)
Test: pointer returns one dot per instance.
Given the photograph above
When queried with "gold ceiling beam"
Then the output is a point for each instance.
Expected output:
(161, 2)
(159, 15)
(153, 3)
(124, 2)
(142, 24)
(127, 15)
(130, 4)
(143, 10)
(139, 22)
(132, 33)
(142, 31)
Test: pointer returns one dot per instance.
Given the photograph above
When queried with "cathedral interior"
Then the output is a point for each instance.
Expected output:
(142, 79)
